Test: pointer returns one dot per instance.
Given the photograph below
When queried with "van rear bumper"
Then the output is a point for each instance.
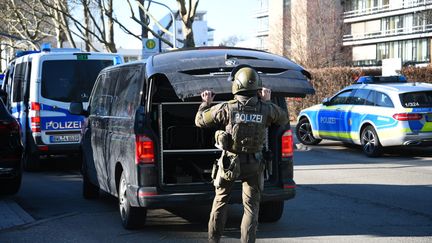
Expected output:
(147, 197)
(38, 147)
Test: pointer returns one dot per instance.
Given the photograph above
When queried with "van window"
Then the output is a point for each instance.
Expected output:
(18, 82)
(70, 80)
(103, 94)
(127, 95)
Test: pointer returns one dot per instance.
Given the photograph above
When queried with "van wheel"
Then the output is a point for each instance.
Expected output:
(370, 142)
(304, 133)
(132, 217)
(10, 186)
(271, 211)
(31, 161)
(89, 190)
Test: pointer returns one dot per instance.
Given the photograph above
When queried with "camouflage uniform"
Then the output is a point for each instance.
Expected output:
(251, 165)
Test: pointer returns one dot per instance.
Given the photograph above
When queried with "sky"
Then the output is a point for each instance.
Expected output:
(227, 17)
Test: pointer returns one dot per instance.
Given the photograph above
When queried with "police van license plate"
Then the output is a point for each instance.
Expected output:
(65, 138)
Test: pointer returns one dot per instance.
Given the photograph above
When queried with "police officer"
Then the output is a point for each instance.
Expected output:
(245, 119)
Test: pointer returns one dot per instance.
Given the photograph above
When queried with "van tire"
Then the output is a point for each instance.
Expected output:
(270, 211)
(31, 161)
(89, 190)
(10, 186)
(131, 217)
(304, 133)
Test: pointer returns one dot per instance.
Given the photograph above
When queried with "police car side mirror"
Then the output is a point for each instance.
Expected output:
(76, 108)
(326, 101)
(3, 96)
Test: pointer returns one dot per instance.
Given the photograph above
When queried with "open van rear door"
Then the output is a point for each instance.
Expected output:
(193, 70)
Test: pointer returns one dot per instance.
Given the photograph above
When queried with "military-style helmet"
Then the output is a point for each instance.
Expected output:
(245, 78)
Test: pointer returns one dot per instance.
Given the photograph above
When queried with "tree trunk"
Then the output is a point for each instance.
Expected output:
(110, 22)
(187, 14)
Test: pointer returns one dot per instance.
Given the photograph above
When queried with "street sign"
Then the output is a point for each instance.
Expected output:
(150, 47)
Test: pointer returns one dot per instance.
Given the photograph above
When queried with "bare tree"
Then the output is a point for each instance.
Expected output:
(230, 41)
(316, 35)
(187, 15)
(90, 21)
(26, 21)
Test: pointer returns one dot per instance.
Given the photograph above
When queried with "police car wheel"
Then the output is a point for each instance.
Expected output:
(132, 217)
(304, 133)
(270, 211)
(370, 142)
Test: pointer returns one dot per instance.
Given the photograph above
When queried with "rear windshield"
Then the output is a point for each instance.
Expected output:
(416, 99)
(70, 80)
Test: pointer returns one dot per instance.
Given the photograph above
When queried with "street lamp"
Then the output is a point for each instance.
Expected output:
(174, 22)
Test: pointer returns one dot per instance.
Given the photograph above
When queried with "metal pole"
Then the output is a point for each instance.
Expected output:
(174, 22)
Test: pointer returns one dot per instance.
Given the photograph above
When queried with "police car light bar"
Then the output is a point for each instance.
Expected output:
(23, 53)
(381, 79)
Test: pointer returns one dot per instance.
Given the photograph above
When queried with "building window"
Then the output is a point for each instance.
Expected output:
(263, 4)
(409, 51)
(263, 23)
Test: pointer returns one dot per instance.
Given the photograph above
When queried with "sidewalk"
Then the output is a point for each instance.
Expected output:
(11, 214)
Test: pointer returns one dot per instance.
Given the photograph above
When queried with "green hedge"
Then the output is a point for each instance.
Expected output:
(327, 81)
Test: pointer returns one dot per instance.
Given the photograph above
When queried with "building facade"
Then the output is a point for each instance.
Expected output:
(203, 35)
(302, 31)
(388, 29)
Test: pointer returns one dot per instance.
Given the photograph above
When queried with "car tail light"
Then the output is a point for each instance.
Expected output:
(13, 126)
(144, 150)
(407, 116)
(43, 147)
(35, 120)
(287, 144)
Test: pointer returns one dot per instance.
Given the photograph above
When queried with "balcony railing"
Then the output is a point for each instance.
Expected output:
(388, 33)
(388, 7)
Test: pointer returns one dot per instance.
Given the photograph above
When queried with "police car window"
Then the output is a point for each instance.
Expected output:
(383, 100)
(370, 99)
(416, 99)
(360, 97)
(70, 80)
(342, 98)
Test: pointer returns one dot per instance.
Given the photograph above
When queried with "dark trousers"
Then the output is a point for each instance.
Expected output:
(252, 184)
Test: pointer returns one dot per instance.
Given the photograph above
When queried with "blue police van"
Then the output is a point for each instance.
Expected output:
(40, 87)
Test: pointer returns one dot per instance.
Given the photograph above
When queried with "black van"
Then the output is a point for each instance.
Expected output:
(140, 142)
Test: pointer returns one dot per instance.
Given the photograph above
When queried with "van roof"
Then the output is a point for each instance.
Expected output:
(190, 71)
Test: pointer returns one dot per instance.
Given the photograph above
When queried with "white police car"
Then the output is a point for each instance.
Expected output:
(375, 112)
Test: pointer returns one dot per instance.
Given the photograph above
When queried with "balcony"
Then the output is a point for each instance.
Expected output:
(372, 37)
(406, 4)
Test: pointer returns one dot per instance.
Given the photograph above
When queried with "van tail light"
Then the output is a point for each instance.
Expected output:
(287, 144)
(35, 119)
(407, 116)
(144, 150)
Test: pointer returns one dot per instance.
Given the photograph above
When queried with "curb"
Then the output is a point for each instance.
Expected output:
(11, 214)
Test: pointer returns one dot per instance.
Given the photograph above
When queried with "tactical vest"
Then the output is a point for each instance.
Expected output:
(247, 125)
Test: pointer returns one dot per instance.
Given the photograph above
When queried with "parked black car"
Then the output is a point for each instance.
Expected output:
(11, 151)
(140, 142)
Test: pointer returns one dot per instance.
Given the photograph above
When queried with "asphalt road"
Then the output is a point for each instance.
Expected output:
(342, 196)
